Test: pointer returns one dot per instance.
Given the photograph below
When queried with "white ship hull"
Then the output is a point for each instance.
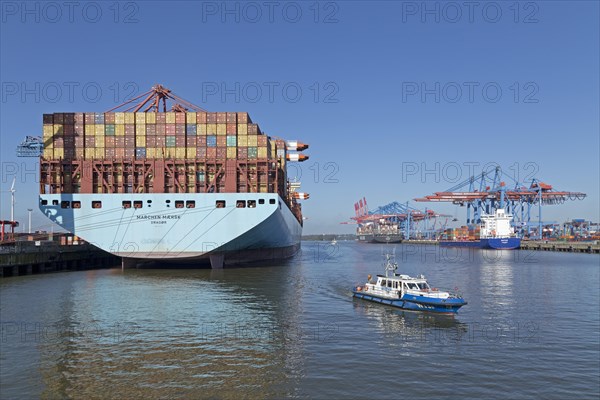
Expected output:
(159, 231)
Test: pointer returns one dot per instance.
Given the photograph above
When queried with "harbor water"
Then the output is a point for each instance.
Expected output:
(530, 330)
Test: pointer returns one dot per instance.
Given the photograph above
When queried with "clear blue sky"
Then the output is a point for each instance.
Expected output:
(369, 74)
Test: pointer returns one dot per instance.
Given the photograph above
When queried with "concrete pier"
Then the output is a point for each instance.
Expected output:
(25, 258)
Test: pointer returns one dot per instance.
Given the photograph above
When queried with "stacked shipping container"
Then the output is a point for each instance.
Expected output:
(171, 152)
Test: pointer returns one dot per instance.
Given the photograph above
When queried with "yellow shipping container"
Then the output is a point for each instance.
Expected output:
(90, 153)
(169, 152)
(99, 152)
(252, 141)
(263, 189)
(48, 153)
(48, 131)
(180, 153)
(99, 141)
(262, 152)
(140, 118)
(211, 129)
(150, 118)
(140, 130)
(221, 129)
(90, 129)
(120, 130)
(129, 118)
(140, 141)
(242, 141)
(150, 152)
(231, 152)
(201, 129)
(191, 152)
(190, 118)
(59, 153)
(119, 118)
(99, 130)
(170, 118)
(58, 129)
(242, 129)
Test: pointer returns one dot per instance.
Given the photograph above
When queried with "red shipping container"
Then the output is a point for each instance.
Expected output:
(79, 153)
(201, 152)
(180, 117)
(262, 140)
(221, 152)
(79, 142)
(69, 118)
(200, 117)
(79, 129)
(231, 118)
(119, 152)
(109, 152)
(68, 130)
(48, 119)
(109, 141)
(150, 141)
(170, 129)
(252, 129)
(211, 152)
(201, 141)
(150, 130)
(109, 118)
(129, 152)
(161, 118)
(79, 118)
(90, 141)
(180, 141)
(191, 141)
(129, 142)
(161, 130)
(231, 128)
(58, 142)
(243, 118)
(180, 129)
(59, 118)
(90, 118)
(69, 142)
(211, 118)
(160, 141)
(221, 141)
(221, 117)
(242, 153)
(119, 141)
(129, 129)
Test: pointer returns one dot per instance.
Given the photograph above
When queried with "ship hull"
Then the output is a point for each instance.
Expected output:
(379, 238)
(413, 303)
(165, 230)
(494, 243)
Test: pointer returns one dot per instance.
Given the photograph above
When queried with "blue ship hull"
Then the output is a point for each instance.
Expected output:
(495, 243)
(416, 303)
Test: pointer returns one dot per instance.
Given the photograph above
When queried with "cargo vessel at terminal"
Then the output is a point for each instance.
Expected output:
(495, 232)
(185, 185)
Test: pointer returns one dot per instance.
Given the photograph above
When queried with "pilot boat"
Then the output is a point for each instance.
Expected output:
(406, 292)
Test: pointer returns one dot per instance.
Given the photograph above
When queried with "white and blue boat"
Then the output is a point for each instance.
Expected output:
(407, 293)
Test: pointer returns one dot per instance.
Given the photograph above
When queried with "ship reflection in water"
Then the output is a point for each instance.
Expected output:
(201, 331)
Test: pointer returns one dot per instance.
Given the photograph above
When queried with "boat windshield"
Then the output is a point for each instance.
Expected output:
(423, 286)
(412, 285)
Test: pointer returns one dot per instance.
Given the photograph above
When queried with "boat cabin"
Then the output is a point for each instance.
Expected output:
(397, 286)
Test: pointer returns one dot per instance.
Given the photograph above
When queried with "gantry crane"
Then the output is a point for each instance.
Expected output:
(488, 191)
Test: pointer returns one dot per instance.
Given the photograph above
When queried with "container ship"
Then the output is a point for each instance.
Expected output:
(495, 232)
(183, 186)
